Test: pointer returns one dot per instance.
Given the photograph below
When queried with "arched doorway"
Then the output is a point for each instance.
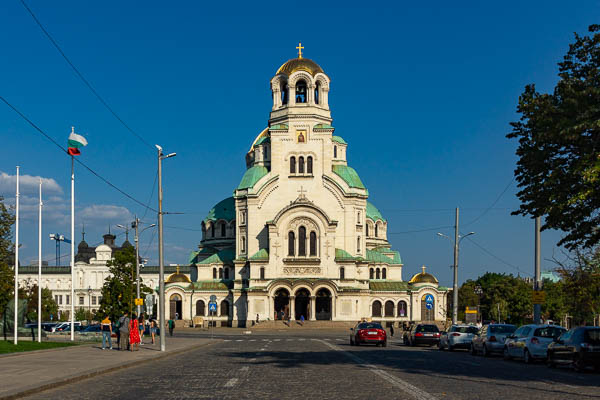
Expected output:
(323, 304)
(376, 309)
(200, 306)
(282, 303)
(302, 304)
(427, 307)
(389, 308)
(175, 306)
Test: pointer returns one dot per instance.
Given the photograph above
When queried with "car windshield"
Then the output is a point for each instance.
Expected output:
(370, 325)
(427, 328)
(464, 329)
(502, 328)
(549, 332)
(592, 336)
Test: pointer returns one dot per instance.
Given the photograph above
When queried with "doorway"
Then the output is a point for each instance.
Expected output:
(323, 305)
(175, 306)
(282, 304)
(302, 304)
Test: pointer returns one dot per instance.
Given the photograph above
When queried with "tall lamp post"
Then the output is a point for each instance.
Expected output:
(89, 303)
(161, 264)
(457, 239)
(478, 291)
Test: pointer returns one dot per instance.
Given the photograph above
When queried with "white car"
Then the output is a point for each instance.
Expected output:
(458, 336)
(530, 342)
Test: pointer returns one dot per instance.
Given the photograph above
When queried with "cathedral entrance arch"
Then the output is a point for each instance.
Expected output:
(302, 304)
(427, 307)
(175, 306)
(282, 303)
(323, 304)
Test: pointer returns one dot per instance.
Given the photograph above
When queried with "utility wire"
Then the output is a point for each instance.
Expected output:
(76, 159)
(496, 257)
(493, 204)
(151, 195)
(85, 81)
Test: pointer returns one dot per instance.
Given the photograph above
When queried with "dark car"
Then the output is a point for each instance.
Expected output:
(92, 328)
(579, 347)
(422, 334)
(491, 339)
(368, 332)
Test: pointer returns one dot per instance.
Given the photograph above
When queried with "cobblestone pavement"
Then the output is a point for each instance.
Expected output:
(323, 365)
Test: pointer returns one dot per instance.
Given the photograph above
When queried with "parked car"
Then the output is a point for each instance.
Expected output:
(47, 326)
(368, 332)
(422, 334)
(458, 336)
(579, 347)
(66, 327)
(530, 342)
(92, 328)
(491, 339)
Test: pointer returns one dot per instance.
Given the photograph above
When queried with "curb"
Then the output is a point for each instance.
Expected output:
(24, 353)
(93, 373)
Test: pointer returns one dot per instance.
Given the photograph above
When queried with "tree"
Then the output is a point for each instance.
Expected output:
(119, 290)
(49, 306)
(83, 314)
(558, 171)
(7, 277)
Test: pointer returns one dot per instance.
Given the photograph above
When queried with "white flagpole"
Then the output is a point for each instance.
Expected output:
(15, 339)
(72, 249)
(40, 268)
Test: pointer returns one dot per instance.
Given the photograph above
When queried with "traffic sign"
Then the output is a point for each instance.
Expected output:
(429, 306)
(212, 306)
(538, 297)
(428, 298)
(139, 302)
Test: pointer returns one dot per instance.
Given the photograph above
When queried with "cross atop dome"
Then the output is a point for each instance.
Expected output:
(423, 268)
(299, 47)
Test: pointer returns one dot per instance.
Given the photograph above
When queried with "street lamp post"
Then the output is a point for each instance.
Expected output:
(191, 307)
(89, 303)
(457, 239)
(478, 291)
(161, 265)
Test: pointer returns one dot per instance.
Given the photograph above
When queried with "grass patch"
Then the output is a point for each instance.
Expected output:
(9, 347)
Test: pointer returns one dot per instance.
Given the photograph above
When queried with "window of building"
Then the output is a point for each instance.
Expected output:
(212, 230)
(301, 91)
(284, 94)
(367, 229)
(68, 299)
(383, 273)
(220, 273)
(214, 273)
(376, 231)
(81, 300)
(291, 243)
(292, 165)
(266, 152)
(377, 273)
(402, 308)
(200, 306)
(358, 244)
(223, 229)
(262, 273)
(309, 162)
(376, 309)
(94, 300)
(371, 273)
(334, 151)
(358, 217)
(342, 273)
(224, 308)
(301, 165)
(243, 244)
(389, 308)
(313, 244)
(302, 241)
(100, 298)
(317, 88)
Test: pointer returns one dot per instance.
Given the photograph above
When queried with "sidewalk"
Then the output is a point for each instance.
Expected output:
(26, 373)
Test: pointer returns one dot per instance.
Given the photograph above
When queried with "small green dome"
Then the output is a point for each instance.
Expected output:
(225, 209)
(373, 212)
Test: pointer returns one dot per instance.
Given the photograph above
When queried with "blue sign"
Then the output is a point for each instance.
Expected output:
(429, 306)
(212, 307)
(428, 298)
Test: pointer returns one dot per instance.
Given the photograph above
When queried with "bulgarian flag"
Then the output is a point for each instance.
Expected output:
(75, 142)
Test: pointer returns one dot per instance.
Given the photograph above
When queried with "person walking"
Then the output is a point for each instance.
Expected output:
(134, 334)
(302, 320)
(171, 327)
(141, 328)
(124, 331)
(392, 330)
(153, 329)
(257, 319)
(106, 327)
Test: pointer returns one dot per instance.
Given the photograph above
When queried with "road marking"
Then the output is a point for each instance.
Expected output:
(263, 349)
(327, 339)
(277, 340)
(340, 340)
(253, 340)
(301, 340)
(265, 340)
(246, 368)
(288, 340)
(252, 359)
(239, 340)
(231, 382)
(409, 389)
(227, 340)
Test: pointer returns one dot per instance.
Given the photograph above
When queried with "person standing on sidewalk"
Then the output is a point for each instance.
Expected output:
(106, 327)
(141, 328)
(134, 334)
(153, 329)
(392, 329)
(124, 331)
(171, 327)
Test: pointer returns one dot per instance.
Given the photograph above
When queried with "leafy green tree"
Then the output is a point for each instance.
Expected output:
(49, 306)
(119, 290)
(555, 307)
(83, 314)
(7, 277)
(558, 171)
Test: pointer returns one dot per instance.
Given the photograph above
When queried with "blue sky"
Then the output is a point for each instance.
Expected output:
(423, 94)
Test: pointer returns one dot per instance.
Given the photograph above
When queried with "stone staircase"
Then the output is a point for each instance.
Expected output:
(267, 325)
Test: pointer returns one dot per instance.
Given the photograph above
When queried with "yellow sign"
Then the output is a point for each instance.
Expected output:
(139, 302)
(471, 310)
(538, 297)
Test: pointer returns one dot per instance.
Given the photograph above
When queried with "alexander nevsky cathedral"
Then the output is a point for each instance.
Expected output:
(300, 237)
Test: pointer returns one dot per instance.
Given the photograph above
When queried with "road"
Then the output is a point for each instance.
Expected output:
(321, 364)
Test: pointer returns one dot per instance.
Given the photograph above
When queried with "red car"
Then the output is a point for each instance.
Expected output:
(368, 332)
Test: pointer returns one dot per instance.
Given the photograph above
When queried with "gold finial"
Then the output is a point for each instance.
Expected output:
(423, 267)
(178, 269)
(299, 47)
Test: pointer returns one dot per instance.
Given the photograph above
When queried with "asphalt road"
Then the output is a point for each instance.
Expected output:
(292, 365)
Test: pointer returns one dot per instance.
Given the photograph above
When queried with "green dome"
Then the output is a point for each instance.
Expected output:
(251, 176)
(373, 212)
(225, 209)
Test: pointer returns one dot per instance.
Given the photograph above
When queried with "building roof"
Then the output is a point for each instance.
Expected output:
(343, 255)
(264, 139)
(423, 277)
(225, 209)
(388, 286)
(322, 126)
(349, 175)
(299, 64)
(224, 256)
(338, 139)
(211, 285)
(261, 255)
(252, 175)
(387, 252)
(178, 277)
(373, 213)
(378, 257)
(33, 269)
(169, 269)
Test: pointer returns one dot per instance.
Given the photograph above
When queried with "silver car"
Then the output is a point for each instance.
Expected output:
(491, 339)
(458, 336)
(530, 342)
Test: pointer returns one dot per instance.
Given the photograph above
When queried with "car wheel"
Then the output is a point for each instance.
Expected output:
(473, 350)
(485, 352)
(527, 357)
(384, 344)
(440, 346)
(351, 342)
(505, 353)
(578, 365)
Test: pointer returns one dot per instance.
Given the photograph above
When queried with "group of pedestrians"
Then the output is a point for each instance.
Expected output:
(129, 331)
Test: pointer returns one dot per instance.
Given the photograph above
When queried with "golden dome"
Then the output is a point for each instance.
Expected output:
(178, 277)
(423, 277)
(299, 64)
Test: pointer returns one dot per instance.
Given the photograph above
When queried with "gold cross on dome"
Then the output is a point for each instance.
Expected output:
(423, 269)
(299, 47)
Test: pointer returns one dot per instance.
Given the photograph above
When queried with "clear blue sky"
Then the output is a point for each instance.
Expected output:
(422, 94)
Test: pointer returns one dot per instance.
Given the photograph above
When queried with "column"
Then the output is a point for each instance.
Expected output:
(333, 307)
(292, 308)
(313, 308)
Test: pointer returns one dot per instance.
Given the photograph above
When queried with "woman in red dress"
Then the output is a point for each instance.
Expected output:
(134, 333)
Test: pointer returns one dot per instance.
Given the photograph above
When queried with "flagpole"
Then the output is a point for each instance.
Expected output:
(40, 268)
(15, 339)
(72, 249)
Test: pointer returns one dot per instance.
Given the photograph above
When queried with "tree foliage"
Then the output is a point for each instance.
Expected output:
(558, 171)
(7, 277)
(49, 307)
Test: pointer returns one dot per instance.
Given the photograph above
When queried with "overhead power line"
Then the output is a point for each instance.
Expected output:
(496, 257)
(492, 205)
(85, 81)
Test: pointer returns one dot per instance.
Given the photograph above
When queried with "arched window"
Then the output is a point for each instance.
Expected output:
(358, 244)
(292, 165)
(301, 165)
(214, 273)
(383, 273)
(212, 230)
(284, 94)
(309, 165)
(376, 230)
(317, 88)
(302, 241)
(224, 308)
(376, 309)
(291, 243)
(334, 151)
(371, 273)
(402, 308)
(367, 229)
(226, 273)
(223, 229)
(389, 308)
(266, 152)
(377, 273)
(301, 91)
(358, 217)
(342, 273)
(262, 273)
(200, 308)
(313, 244)
(220, 273)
